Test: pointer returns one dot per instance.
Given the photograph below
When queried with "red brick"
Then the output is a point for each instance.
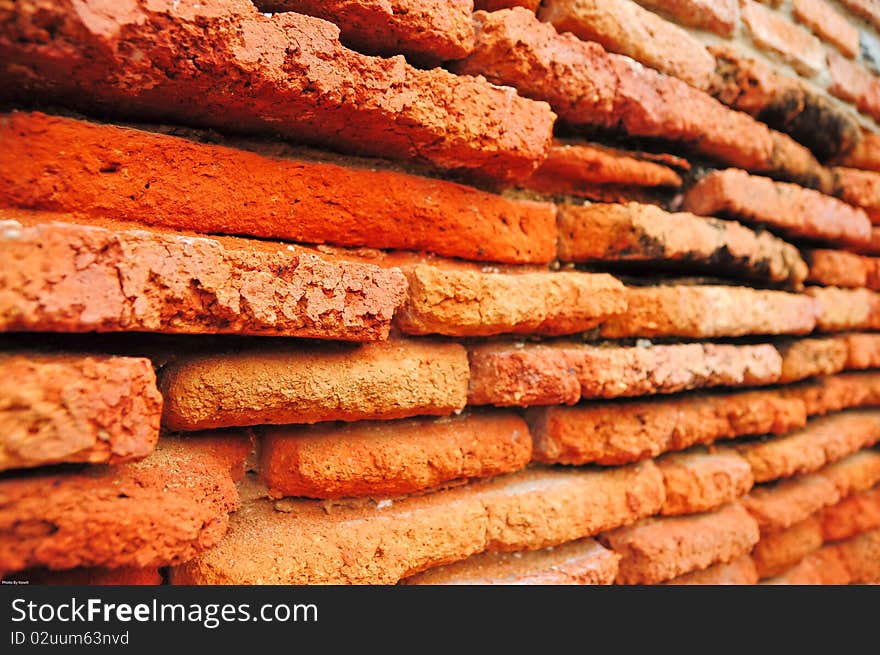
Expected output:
(589, 87)
(851, 82)
(281, 384)
(719, 16)
(519, 374)
(839, 268)
(623, 27)
(620, 432)
(773, 32)
(851, 516)
(61, 164)
(828, 24)
(740, 571)
(225, 65)
(786, 208)
(71, 277)
(781, 505)
(700, 480)
(391, 458)
(804, 358)
(65, 408)
(364, 542)
(424, 30)
(859, 188)
(865, 154)
(93, 577)
(699, 312)
(655, 550)
(846, 309)
(646, 233)
(495, 5)
(780, 550)
(162, 510)
(583, 562)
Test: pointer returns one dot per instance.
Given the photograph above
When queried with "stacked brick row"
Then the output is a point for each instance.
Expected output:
(427, 293)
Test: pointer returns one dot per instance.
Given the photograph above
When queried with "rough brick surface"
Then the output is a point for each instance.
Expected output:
(361, 542)
(162, 510)
(583, 562)
(705, 312)
(846, 309)
(429, 30)
(64, 276)
(867, 9)
(780, 505)
(828, 24)
(821, 567)
(619, 432)
(836, 392)
(162, 180)
(851, 516)
(391, 458)
(519, 374)
(719, 16)
(861, 557)
(804, 358)
(587, 86)
(864, 350)
(824, 440)
(654, 550)
(865, 155)
(645, 233)
(859, 188)
(839, 268)
(856, 473)
(853, 83)
(699, 481)
(773, 32)
(67, 408)
(471, 303)
(495, 5)
(740, 571)
(783, 207)
(226, 65)
(292, 384)
(779, 550)
(93, 577)
(623, 27)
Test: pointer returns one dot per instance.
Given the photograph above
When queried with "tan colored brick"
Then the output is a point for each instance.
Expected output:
(225, 65)
(719, 16)
(805, 358)
(65, 408)
(645, 233)
(424, 30)
(705, 312)
(846, 309)
(655, 550)
(782, 504)
(740, 571)
(520, 374)
(62, 164)
(786, 208)
(459, 302)
(859, 188)
(589, 87)
(780, 550)
(619, 432)
(824, 440)
(362, 542)
(773, 32)
(700, 481)
(852, 82)
(83, 576)
(839, 268)
(328, 382)
(65, 276)
(623, 27)
(828, 24)
(583, 562)
(851, 516)
(162, 510)
(391, 458)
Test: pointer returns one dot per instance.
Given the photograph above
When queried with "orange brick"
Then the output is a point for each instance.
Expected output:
(867, 9)
(495, 5)
(864, 350)
(740, 571)
(719, 16)
(821, 567)
(846, 309)
(700, 481)
(837, 392)
(859, 188)
(855, 473)
(828, 24)
(861, 557)
(851, 82)
(225, 65)
(773, 32)
(780, 550)
(865, 154)
(780, 505)
(839, 268)
(851, 516)
(804, 358)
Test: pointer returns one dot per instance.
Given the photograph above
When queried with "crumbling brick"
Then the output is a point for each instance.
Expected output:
(700, 481)
(805, 358)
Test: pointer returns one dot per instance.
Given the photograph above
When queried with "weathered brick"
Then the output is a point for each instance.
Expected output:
(94, 576)
(159, 511)
(583, 562)
(700, 481)
(839, 268)
(836, 392)
(460, 302)
(704, 311)
(851, 516)
(855, 473)
(424, 30)
(773, 32)
(623, 27)
(867, 9)
(495, 5)
(719, 16)
(391, 458)
(520, 374)
(589, 87)
(860, 556)
(805, 358)
(72, 277)
(859, 188)
(654, 550)
(864, 350)
(740, 571)
(226, 65)
(362, 542)
(779, 550)
(780, 505)
(821, 567)
(61, 164)
(865, 154)
(846, 309)
(646, 233)
(291, 384)
(824, 440)
(786, 208)
(828, 24)
(852, 83)
(67, 408)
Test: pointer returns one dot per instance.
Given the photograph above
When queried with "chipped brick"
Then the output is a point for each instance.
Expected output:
(700, 481)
